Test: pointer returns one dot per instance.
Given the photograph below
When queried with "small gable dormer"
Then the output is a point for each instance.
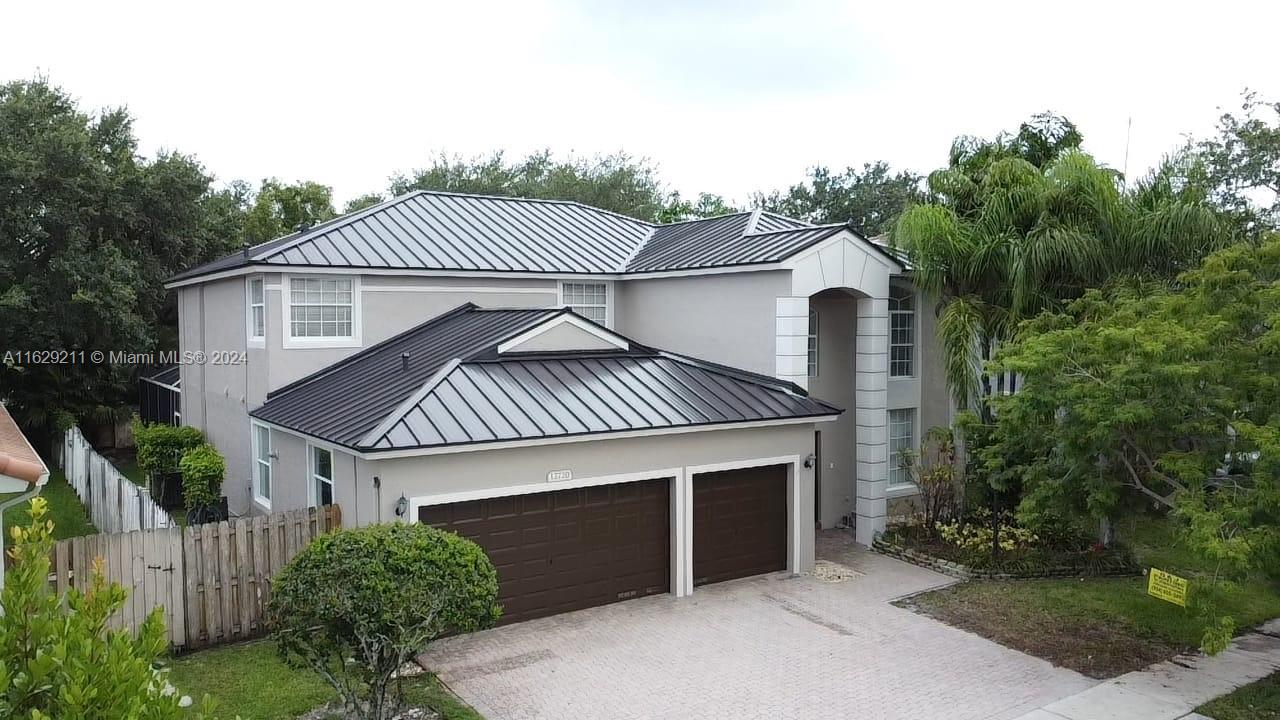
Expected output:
(566, 332)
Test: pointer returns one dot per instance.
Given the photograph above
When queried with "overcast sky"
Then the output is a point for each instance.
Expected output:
(725, 97)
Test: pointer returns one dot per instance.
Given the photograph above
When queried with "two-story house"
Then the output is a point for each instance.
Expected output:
(610, 407)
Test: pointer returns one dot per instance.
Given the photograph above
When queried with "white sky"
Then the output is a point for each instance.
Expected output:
(726, 97)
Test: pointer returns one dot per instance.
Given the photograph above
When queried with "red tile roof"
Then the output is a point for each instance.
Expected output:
(17, 458)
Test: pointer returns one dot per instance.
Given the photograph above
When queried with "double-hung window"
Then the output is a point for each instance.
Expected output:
(321, 476)
(813, 343)
(257, 310)
(590, 300)
(262, 464)
(321, 307)
(902, 331)
(902, 437)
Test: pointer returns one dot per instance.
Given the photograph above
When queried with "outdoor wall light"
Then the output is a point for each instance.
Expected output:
(810, 460)
(402, 506)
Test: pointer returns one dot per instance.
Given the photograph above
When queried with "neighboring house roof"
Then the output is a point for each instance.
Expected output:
(18, 460)
(427, 230)
(168, 376)
(456, 388)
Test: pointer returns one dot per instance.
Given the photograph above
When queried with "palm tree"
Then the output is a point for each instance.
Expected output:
(1007, 238)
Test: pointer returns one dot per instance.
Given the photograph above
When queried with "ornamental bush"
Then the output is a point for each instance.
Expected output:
(161, 447)
(202, 472)
(356, 605)
(57, 657)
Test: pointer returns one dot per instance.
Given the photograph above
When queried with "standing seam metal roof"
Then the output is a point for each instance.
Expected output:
(427, 230)
(458, 390)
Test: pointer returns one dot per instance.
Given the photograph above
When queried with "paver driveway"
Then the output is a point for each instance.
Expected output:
(767, 647)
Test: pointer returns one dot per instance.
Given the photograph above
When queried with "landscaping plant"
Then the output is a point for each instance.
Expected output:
(161, 447)
(933, 471)
(202, 472)
(356, 605)
(57, 657)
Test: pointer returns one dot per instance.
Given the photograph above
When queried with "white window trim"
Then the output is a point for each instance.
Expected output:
(286, 302)
(812, 331)
(915, 340)
(908, 488)
(313, 500)
(256, 463)
(608, 297)
(249, 305)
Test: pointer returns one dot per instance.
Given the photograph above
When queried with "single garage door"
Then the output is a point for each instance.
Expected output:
(739, 523)
(569, 549)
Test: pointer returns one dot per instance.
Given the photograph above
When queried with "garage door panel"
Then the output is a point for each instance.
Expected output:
(739, 523)
(569, 549)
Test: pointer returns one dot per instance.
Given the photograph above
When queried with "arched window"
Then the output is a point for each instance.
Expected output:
(902, 331)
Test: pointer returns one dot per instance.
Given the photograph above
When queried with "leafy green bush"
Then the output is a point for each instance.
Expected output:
(202, 472)
(161, 447)
(356, 605)
(58, 659)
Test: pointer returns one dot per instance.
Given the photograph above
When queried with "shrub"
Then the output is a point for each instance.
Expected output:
(934, 473)
(202, 472)
(161, 447)
(57, 657)
(356, 605)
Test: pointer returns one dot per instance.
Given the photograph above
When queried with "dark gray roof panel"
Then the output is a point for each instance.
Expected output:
(494, 401)
(457, 389)
(348, 399)
(709, 249)
(450, 231)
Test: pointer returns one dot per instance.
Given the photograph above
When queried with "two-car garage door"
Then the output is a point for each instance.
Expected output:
(572, 549)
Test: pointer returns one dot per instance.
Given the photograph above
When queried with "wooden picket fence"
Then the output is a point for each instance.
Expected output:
(212, 581)
(114, 503)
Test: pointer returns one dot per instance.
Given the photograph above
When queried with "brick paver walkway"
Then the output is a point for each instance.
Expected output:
(768, 647)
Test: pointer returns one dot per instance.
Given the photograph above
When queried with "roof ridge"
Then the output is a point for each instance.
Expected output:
(771, 213)
(326, 370)
(740, 374)
(703, 219)
(379, 431)
(809, 228)
(328, 225)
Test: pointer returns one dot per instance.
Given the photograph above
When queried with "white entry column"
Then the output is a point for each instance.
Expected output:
(792, 352)
(871, 373)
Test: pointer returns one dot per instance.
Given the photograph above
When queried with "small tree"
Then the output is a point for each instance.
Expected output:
(933, 471)
(202, 472)
(356, 605)
(57, 657)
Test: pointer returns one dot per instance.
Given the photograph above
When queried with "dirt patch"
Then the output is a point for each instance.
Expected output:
(1096, 647)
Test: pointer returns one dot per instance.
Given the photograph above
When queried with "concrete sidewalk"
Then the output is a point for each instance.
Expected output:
(1172, 690)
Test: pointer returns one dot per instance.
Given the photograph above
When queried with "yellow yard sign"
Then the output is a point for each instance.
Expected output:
(1167, 587)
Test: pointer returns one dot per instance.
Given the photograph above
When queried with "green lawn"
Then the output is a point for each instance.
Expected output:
(1100, 626)
(250, 680)
(68, 515)
(1258, 701)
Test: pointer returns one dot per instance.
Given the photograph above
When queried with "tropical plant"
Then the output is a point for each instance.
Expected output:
(57, 657)
(1162, 395)
(356, 605)
(202, 472)
(933, 471)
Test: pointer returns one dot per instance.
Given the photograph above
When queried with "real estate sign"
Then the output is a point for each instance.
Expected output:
(1166, 586)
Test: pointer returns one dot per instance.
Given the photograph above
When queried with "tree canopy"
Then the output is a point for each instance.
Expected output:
(1243, 162)
(279, 209)
(871, 199)
(89, 231)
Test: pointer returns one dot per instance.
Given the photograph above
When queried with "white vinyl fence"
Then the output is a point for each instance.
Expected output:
(114, 503)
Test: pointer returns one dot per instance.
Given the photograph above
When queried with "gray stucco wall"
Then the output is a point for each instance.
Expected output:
(729, 318)
(935, 398)
(834, 383)
(215, 395)
(416, 477)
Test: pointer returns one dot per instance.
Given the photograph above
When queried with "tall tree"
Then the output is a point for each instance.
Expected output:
(88, 233)
(871, 198)
(361, 202)
(1243, 162)
(707, 205)
(279, 209)
(613, 182)
(1007, 238)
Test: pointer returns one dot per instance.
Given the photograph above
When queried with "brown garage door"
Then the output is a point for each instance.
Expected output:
(739, 523)
(569, 549)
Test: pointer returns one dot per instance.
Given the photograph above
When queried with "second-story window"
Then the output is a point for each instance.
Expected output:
(902, 331)
(257, 310)
(320, 308)
(590, 300)
(813, 343)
